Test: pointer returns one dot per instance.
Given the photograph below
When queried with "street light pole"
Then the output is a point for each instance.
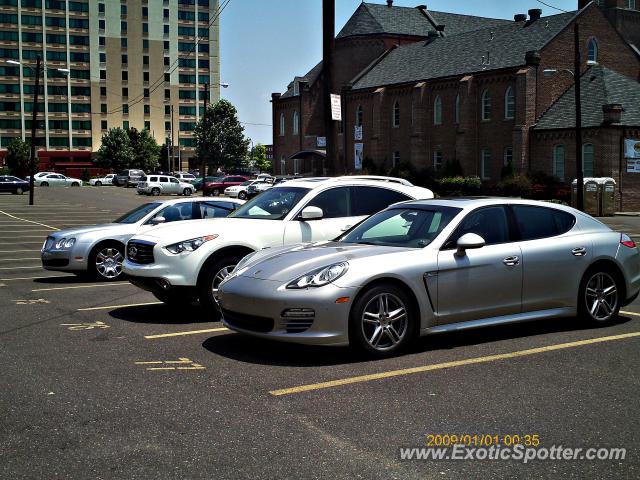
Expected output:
(34, 118)
(579, 166)
(203, 166)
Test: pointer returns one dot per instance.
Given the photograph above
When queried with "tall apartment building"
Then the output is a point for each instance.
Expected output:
(108, 63)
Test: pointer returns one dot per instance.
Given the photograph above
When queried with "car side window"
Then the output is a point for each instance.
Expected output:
(540, 222)
(214, 210)
(334, 203)
(173, 180)
(176, 213)
(491, 223)
(370, 200)
(163, 179)
(152, 179)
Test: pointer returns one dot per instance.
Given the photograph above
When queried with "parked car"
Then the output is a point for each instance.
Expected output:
(99, 249)
(38, 175)
(179, 266)
(57, 180)
(106, 180)
(216, 188)
(198, 181)
(163, 185)
(13, 185)
(270, 182)
(240, 191)
(128, 178)
(435, 266)
(185, 177)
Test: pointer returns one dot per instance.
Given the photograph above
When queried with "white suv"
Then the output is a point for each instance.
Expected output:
(179, 265)
(163, 185)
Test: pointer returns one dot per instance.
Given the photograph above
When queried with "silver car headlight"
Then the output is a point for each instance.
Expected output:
(189, 245)
(64, 243)
(321, 276)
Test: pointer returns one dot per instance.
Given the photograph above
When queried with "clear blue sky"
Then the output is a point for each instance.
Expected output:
(265, 43)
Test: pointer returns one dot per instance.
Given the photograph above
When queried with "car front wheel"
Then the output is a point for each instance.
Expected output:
(19, 191)
(155, 192)
(106, 262)
(216, 192)
(44, 184)
(242, 195)
(98, 184)
(599, 297)
(382, 321)
(186, 192)
(211, 278)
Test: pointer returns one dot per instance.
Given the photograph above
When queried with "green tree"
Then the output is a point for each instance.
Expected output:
(18, 157)
(260, 160)
(220, 137)
(146, 151)
(115, 151)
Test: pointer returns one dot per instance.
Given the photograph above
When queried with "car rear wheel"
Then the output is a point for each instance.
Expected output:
(98, 184)
(19, 191)
(211, 278)
(155, 192)
(242, 195)
(44, 184)
(599, 297)
(75, 184)
(216, 192)
(106, 262)
(186, 192)
(382, 321)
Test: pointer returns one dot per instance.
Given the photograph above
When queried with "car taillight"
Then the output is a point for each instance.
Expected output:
(627, 241)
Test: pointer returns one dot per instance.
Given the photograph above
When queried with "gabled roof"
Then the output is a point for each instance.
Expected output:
(376, 19)
(598, 86)
(311, 76)
(492, 48)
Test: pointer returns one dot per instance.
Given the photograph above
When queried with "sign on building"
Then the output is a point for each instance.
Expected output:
(358, 133)
(632, 154)
(359, 147)
(336, 107)
(321, 142)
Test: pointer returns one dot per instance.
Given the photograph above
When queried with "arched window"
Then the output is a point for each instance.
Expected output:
(296, 123)
(592, 48)
(509, 104)
(437, 111)
(396, 114)
(486, 105)
(359, 115)
(587, 160)
(558, 162)
(456, 112)
(282, 124)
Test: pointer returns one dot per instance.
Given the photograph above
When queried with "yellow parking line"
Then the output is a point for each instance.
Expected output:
(118, 306)
(36, 278)
(28, 221)
(20, 268)
(17, 240)
(18, 251)
(456, 363)
(81, 286)
(18, 259)
(189, 332)
(630, 313)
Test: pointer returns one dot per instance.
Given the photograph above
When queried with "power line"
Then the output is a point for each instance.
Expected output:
(551, 6)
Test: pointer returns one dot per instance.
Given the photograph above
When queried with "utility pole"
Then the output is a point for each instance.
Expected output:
(203, 162)
(576, 77)
(328, 46)
(34, 119)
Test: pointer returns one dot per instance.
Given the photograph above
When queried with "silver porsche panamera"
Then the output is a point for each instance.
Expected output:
(431, 266)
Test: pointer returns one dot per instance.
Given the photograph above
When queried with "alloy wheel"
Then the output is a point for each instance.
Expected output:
(384, 321)
(223, 273)
(19, 191)
(601, 296)
(109, 263)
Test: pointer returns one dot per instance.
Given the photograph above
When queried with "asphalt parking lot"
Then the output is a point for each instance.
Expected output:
(101, 381)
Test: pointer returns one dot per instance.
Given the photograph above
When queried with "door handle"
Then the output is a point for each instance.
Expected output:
(345, 228)
(511, 261)
(579, 251)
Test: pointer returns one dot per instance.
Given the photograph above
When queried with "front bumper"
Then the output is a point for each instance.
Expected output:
(176, 270)
(256, 307)
(63, 260)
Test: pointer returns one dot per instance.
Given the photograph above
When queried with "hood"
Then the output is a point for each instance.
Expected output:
(288, 263)
(76, 231)
(179, 231)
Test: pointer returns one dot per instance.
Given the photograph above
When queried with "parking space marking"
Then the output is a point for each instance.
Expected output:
(20, 268)
(630, 313)
(455, 363)
(16, 240)
(189, 332)
(85, 326)
(19, 251)
(28, 221)
(80, 286)
(18, 259)
(35, 301)
(181, 361)
(35, 278)
(90, 309)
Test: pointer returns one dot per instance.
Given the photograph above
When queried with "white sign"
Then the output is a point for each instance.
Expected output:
(359, 147)
(633, 165)
(321, 142)
(631, 148)
(336, 107)
(358, 133)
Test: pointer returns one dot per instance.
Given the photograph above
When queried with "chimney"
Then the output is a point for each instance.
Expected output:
(389, 3)
(520, 17)
(532, 58)
(612, 113)
(440, 28)
(534, 14)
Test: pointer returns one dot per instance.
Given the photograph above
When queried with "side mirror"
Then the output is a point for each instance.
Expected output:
(158, 220)
(311, 213)
(468, 241)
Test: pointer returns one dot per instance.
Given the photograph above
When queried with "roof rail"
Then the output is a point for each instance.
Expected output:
(377, 178)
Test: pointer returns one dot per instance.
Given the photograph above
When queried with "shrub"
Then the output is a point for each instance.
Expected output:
(516, 186)
(457, 186)
(86, 176)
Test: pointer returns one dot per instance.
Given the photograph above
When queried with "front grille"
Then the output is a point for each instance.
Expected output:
(248, 322)
(141, 252)
(56, 262)
(297, 320)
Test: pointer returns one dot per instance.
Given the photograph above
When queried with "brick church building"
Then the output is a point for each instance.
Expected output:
(430, 87)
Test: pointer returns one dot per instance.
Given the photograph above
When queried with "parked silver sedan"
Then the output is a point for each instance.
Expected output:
(99, 249)
(432, 266)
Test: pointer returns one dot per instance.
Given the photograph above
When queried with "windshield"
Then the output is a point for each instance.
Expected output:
(138, 213)
(272, 204)
(406, 227)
